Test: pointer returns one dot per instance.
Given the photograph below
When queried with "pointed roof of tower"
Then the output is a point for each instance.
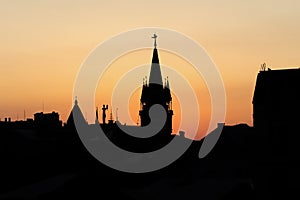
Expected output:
(75, 111)
(155, 73)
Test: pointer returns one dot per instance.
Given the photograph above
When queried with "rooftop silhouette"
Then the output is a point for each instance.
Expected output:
(44, 159)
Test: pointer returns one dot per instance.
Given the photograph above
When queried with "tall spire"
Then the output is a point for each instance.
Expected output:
(155, 73)
(154, 92)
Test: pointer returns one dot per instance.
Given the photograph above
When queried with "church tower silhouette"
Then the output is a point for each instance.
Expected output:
(155, 92)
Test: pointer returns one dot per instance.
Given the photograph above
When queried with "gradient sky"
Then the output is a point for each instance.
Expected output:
(43, 44)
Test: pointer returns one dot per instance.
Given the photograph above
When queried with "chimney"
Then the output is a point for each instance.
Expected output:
(181, 133)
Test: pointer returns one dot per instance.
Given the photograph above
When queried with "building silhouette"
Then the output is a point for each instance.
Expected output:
(276, 109)
(257, 162)
(47, 120)
(276, 99)
(155, 92)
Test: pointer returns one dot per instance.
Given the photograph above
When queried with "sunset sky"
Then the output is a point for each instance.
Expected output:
(43, 44)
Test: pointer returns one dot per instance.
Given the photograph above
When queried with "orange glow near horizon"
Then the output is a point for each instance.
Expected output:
(43, 45)
(142, 58)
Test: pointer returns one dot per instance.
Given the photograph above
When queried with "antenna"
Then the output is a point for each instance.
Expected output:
(110, 115)
(43, 106)
(117, 114)
(96, 120)
(263, 67)
(24, 115)
(137, 121)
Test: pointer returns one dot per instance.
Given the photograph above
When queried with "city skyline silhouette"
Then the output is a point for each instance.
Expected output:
(266, 158)
(53, 54)
(149, 100)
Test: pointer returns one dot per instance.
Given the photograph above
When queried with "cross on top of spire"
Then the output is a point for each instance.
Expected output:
(154, 37)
